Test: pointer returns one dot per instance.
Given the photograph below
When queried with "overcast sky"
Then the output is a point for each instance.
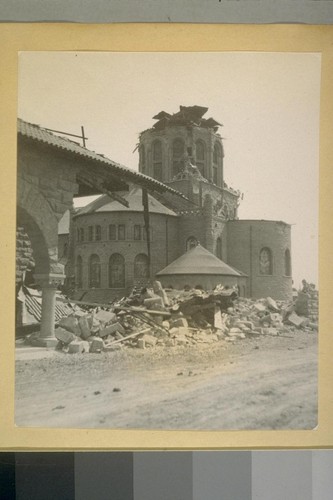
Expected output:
(268, 104)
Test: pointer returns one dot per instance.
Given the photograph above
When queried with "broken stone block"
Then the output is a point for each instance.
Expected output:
(179, 322)
(296, 320)
(302, 304)
(238, 333)
(79, 313)
(235, 331)
(166, 325)
(78, 346)
(71, 324)
(259, 307)
(141, 344)
(170, 342)
(105, 332)
(115, 347)
(158, 290)
(276, 317)
(105, 316)
(96, 326)
(64, 336)
(181, 340)
(111, 329)
(149, 340)
(218, 320)
(173, 331)
(272, 304)
(97, 345)
(93, 323)
(84, 327)
(154, 303)
(248, 324)
(266, 319)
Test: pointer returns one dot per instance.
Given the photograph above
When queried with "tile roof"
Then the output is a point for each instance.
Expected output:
(33, 303)
(198, 260)
(42, 135)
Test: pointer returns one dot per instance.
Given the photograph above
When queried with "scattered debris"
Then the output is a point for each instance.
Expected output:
(156, 317)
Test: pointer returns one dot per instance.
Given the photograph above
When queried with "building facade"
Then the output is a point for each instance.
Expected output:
(116, 248)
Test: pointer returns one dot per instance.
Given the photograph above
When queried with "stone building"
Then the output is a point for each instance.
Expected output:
(116, 247)
(51, 171)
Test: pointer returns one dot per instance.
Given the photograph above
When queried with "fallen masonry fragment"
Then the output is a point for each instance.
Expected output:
(152, 319)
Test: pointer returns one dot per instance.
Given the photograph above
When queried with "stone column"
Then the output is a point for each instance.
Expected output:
(49, 284)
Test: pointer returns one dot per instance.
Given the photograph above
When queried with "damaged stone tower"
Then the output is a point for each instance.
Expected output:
(185, 150)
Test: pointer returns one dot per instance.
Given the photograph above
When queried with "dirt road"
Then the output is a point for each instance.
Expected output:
(261, 383)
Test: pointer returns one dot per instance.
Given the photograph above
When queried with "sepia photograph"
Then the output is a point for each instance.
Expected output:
(167, 240)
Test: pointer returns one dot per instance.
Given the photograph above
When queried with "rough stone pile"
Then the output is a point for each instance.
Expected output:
(183, 318)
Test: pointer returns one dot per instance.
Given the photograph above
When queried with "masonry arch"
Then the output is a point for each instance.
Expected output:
(266, 261)
(191, 242)
(219, 248)
(116, 271)
(141, 266)
(40, 223)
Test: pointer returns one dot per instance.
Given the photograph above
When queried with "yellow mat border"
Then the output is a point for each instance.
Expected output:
(159, 37)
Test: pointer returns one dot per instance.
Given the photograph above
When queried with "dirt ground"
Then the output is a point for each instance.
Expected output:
(253, 383)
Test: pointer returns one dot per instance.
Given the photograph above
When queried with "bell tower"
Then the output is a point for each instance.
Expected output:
(185, 150)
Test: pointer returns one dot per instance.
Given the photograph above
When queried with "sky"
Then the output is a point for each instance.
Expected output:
(268, 104)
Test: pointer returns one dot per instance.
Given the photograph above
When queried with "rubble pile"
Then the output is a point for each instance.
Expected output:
(158, 317)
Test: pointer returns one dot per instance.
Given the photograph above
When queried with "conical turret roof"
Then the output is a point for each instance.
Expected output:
(198, 260)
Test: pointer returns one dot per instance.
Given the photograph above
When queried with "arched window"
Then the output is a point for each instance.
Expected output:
(157, 160)
(200, 156)
(142, 158)
(94, 271)
(287, 263)
(191, 242)
(217, 161)
(177, 156)
(116, 271)
(141, 266)
(265, 261)
(79, 271)
(219, 248)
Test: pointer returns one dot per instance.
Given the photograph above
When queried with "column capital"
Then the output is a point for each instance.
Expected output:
(49, 280)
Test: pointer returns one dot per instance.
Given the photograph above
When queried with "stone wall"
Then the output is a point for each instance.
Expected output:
(164, 243)
(44, 192)
(24, 254)
(246, 239)
(190, 135)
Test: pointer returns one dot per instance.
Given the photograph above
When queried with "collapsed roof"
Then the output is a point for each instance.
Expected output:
(187, 115)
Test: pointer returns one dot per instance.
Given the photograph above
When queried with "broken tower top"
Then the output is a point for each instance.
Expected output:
(187, 115)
